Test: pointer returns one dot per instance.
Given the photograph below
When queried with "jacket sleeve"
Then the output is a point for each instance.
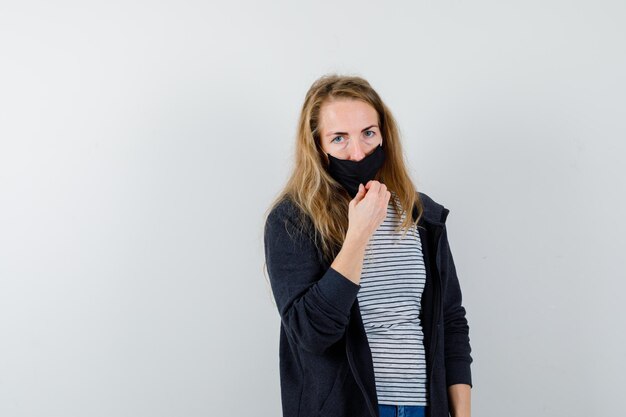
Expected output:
(314, 304)
(456, 330)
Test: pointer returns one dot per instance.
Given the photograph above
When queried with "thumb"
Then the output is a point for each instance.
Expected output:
(360, 194)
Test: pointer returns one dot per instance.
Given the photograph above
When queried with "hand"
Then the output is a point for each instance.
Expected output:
(368, 209)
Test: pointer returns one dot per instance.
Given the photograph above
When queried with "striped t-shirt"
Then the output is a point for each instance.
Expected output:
(392, 282)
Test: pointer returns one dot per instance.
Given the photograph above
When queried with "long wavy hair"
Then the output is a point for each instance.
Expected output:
(323, 202)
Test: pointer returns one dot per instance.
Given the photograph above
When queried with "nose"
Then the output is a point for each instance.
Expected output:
(356, 151)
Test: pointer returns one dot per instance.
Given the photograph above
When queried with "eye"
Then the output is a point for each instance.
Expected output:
(333, 141)
(372, 133)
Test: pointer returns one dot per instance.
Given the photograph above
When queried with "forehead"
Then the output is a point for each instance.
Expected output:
(347, 114)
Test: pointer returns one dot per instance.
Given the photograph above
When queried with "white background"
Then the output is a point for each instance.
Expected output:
(142, 141)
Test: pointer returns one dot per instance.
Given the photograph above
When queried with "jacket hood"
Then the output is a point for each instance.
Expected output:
(433, 212)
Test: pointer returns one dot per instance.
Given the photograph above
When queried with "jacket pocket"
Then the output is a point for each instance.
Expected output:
(334, 398)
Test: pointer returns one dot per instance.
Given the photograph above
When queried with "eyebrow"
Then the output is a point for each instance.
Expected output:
(345, 133)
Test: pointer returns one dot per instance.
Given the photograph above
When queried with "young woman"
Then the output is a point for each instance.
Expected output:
(359, 264)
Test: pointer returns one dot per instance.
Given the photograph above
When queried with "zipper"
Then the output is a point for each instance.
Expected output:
(437, 307)
(358, 379)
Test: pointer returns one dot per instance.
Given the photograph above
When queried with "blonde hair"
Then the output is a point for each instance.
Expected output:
(320, 198)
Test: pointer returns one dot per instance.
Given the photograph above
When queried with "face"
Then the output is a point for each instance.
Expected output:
(349, 129)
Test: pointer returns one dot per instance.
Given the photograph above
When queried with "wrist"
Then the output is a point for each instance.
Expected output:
(356, 239)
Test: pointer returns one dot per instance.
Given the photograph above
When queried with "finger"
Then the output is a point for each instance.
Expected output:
(370, 183)
(374, 186)
(360, 193)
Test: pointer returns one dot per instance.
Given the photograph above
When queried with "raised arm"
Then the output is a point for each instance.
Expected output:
(314, 303)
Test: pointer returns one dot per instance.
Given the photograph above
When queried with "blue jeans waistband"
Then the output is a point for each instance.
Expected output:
(401, 410)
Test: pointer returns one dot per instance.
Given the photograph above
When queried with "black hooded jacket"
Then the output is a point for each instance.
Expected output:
(326, 366)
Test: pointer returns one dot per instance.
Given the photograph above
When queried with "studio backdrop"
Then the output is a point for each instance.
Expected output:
(141, 144)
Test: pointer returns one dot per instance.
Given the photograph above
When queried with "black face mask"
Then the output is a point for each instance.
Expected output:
(350, 173)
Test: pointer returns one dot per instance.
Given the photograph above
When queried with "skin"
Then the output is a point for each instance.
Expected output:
(349, 129)
(459, 398)
(359, 135)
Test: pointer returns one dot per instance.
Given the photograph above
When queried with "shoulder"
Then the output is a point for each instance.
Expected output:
(284, 210)
(433, 211)
(285, 215)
